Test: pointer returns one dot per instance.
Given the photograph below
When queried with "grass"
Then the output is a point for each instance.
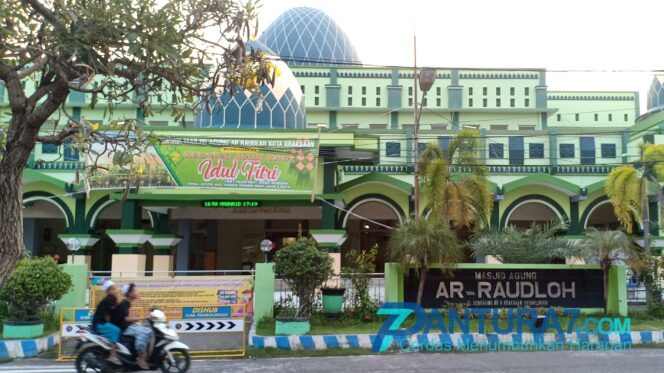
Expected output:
(322, 326)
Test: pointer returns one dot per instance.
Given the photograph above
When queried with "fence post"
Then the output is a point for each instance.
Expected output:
(264, 291)
(393, 282)
(617, 296)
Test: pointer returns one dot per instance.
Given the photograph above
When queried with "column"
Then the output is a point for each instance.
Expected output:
(29, 235)
(182, 251)
(130, 259)
(331, 240)
(163, 243)
(79, 236)
(85, 242)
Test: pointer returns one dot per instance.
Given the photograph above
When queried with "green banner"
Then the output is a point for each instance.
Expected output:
(242, 164)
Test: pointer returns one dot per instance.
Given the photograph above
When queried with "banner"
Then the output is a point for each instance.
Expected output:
(509, 288)
(185, 291)
(279, 165)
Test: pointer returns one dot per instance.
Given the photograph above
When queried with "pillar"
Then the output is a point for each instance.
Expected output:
(163, 260)
(85, 242)
(264, 291)
(331, 240)
(29, 235)
(393, 282)
(617, 296)
(129, 261)
(182, 251)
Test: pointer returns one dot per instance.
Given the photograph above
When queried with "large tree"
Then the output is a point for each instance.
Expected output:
(114, 51)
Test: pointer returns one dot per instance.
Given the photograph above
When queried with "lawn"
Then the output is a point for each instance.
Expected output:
(321, 326)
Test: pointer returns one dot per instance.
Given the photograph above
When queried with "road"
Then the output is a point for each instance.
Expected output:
(640, 360)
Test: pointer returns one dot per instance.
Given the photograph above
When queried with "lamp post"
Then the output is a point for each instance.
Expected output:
(427, 77)
(73, 244)
(266, 247)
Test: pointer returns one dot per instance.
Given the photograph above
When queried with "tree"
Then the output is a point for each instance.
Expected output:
(423, 243)
(607, 248)
(628, 186)
(456, 181)
(111, 50)
(536, 244)
(304, 268)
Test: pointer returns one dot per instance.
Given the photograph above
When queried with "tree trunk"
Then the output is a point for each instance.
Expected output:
(646, 218)
(20, 142)
(605, 275)
(420, 288)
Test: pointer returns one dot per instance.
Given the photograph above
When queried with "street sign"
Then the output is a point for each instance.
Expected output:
(207, 326)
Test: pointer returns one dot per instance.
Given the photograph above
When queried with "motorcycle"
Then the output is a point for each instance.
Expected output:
(164, 352)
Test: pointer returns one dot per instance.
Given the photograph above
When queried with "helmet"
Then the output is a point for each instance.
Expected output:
(158, 315)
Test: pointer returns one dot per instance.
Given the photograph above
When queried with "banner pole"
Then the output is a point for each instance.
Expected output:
(313, 191)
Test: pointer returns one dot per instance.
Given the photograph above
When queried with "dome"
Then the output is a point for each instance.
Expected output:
(656, 93)
(306, 36)
(282, 106)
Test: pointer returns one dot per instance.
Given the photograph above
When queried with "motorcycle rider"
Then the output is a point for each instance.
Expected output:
(128, 324)
(101, 321)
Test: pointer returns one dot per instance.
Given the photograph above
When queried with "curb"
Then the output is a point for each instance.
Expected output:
(12, 348)
(456, 340)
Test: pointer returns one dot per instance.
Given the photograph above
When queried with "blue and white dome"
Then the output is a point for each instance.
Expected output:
(309, 37)
(282, 106)
(656, 93)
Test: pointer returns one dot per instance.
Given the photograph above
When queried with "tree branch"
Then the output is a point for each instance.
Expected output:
(43, 11)
(60, 138)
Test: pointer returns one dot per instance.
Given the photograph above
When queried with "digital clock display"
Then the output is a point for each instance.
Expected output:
(228, 204)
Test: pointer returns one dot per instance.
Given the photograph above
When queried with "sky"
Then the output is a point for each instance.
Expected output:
(622, 39)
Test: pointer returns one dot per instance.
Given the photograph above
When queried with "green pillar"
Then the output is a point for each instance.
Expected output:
(264, 291)
(131, 215)
(75, 298)
(654, 217)
(393, 282)
(553, 148)
(575, 225)
(495, 215)
(617, 297)
(79, 216)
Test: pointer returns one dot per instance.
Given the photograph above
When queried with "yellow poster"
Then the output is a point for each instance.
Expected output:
(184, 291)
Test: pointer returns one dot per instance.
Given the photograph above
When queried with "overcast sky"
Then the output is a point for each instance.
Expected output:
(556, 35)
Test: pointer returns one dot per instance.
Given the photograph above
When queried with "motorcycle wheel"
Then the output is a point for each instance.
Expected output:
(182, 362)
(91, 359)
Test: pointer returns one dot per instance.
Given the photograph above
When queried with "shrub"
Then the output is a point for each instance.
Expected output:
(304, 268)
(34, 284)
(361, 264)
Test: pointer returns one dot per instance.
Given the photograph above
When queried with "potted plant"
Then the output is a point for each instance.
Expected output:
(333, 299)
(33, 285)
(304, 268)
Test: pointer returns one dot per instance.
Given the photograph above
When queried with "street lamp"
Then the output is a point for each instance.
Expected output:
(266, 247)
(427, 77)
(73, 244)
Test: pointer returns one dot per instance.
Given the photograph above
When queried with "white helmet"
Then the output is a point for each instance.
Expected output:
(158, 315)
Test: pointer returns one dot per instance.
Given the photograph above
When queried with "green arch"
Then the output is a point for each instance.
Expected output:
(361, 199)
(69, 217)
(594, 187)
(600, 200)
(544, 179)
(531, 197)
(95, 209)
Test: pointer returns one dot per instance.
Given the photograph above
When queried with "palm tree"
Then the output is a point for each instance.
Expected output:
(537, 244)
(607, 248)
(627, 187)
(424, 242)
(456, 181)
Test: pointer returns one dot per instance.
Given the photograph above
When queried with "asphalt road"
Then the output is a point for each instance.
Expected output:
(640, 360)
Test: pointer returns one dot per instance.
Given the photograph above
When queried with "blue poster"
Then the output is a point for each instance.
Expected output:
(213, 312)
(83, 315)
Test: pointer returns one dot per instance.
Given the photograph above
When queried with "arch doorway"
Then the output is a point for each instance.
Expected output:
(528, 212)
(43, 221)
(363, 233)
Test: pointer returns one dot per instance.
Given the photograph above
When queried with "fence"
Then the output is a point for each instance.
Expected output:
(223, 272)
(283, 293)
